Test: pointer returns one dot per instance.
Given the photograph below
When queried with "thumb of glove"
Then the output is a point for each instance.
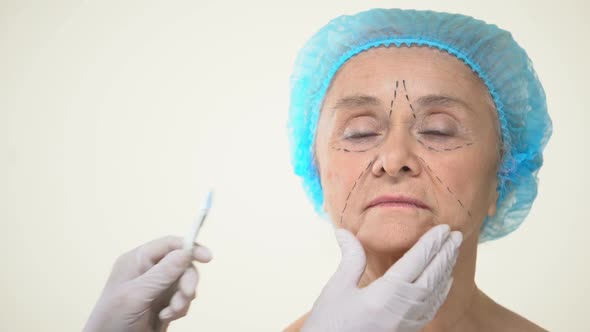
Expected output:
(353, 261)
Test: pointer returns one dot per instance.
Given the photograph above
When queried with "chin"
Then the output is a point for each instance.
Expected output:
(393, 234)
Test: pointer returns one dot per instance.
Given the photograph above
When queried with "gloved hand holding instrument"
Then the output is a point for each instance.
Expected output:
(151, 285)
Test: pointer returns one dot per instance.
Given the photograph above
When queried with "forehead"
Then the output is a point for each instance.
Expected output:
(426, 70)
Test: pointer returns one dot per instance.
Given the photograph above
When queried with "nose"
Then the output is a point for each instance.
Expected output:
(396, 156)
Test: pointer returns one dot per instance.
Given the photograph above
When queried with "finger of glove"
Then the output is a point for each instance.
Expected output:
(201, 253)
(179, 302)
(387, 284)
(396, 306)
(165, 273)
(423, 312)
(187, 284)
(409, 307)
(438, 298)
(443, 262)
(352, 263)
(135, 262)
(414, 261)
(153, 251)
(428, 308)
(175, 310)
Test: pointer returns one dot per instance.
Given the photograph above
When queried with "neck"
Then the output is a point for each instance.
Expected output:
(459, 307)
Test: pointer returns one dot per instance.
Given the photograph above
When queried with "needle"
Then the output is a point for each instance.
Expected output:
(198, 223)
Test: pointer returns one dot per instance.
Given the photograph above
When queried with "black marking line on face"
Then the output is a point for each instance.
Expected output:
(408, 99)
(447, 187)
(445, 149)
(393, 100)
(419, 141)
(347, 150)
(352, 189)
(413, 115)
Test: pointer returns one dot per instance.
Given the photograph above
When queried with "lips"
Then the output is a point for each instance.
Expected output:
(397, 201)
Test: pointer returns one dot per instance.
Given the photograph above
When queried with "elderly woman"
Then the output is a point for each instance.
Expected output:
(419, 135)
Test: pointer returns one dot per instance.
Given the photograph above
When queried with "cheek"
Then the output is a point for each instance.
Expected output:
(338, 175)
(333, 179)
(464, 196)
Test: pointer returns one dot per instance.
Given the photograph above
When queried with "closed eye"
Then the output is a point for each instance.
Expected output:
(361, 135)
(435, 133)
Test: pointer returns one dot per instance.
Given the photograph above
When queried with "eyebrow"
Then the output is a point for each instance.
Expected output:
(441, 100)
(356, 101)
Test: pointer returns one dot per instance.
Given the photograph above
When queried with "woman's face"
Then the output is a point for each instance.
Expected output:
(407, 139)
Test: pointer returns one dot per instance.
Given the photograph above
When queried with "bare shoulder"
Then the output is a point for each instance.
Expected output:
(514, 322)
(503, 319)
(296, 325)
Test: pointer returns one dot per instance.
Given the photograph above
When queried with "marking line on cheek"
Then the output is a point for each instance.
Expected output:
(352, 189)
(448, 189)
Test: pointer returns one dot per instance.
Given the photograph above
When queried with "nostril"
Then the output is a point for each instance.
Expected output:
(405, 169)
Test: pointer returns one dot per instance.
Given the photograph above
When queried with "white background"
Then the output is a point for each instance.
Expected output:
(115, 115)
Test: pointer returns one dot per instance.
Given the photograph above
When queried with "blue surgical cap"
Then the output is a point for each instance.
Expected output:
(489, 51)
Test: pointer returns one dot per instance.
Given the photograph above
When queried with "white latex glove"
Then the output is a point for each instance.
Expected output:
(149, 287)
(404, 299)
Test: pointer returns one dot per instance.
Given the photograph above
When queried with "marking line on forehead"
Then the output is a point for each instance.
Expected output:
(393, 100)
(408, 99)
